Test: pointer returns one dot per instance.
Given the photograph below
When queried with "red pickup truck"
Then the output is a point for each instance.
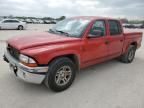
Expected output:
(54, 57)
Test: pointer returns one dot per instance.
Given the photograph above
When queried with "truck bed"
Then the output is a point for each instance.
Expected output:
(133, 37)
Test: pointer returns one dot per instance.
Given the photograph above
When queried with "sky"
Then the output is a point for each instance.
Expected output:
(131, 9)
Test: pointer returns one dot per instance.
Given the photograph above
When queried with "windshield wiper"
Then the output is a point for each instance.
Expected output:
(62, 32)
(67, 34)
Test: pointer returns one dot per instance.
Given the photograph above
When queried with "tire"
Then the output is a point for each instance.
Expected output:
(20, 27)
(61, 74)
(129, 56)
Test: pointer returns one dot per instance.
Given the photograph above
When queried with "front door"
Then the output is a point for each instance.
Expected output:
(95, 48)
(6, 24)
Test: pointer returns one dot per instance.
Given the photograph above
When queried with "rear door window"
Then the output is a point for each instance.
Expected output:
(114, 27)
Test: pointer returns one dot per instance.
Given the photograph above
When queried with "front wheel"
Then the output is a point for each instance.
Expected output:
(61, 74)
(128, 57)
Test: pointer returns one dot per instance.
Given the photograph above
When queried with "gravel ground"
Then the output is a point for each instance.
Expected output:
(107, 85)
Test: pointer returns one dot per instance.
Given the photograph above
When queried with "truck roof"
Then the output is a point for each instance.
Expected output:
(93, 17)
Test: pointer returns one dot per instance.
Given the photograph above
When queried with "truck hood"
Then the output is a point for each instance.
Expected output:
(37, 39)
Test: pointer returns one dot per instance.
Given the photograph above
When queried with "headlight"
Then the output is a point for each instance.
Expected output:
(27, 61)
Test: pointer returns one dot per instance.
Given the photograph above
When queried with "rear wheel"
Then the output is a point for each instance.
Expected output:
(61, 74)
(20, 27)
(128, 57)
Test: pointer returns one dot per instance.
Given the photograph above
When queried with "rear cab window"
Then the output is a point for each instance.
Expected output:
(114, 28)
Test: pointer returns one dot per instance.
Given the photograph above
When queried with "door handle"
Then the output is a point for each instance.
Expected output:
(106, 42)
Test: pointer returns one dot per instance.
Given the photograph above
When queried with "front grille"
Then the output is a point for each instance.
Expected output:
(13, 52)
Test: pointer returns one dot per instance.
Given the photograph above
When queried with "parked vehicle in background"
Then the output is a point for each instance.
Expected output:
(28, 21)
(12, 24)
(137, 25)
(55, 56)
(53, 22)
(32, 21)
(47, 21)
(35, 21)
(41, 21)
(133, 25)
(125, 25)
(1, 19)
(130, 26)
(142, 26)
(23, 20)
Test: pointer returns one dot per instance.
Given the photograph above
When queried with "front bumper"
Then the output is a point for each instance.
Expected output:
(29, 74)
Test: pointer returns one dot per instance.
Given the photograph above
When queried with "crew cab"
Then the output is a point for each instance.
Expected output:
(54, 57)
(12, 24)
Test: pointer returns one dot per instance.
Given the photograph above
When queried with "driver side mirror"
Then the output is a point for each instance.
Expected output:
(95, 33)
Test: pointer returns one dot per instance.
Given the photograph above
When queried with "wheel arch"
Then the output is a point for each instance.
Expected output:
(125, 48)
(20, 25)
(134, 44)
(73, 57)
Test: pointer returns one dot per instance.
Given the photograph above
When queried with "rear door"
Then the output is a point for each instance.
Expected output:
(115, 39)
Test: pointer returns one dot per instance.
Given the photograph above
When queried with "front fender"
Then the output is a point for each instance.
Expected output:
(44, 54)
(47, 57)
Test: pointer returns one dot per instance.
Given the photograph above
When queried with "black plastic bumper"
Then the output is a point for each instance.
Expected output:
(5, 59)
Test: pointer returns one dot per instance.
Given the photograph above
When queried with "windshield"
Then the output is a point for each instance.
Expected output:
(70, 27)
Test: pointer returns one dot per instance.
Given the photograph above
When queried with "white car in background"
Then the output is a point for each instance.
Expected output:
(35, 21)
(40, 21)
(12, 24)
